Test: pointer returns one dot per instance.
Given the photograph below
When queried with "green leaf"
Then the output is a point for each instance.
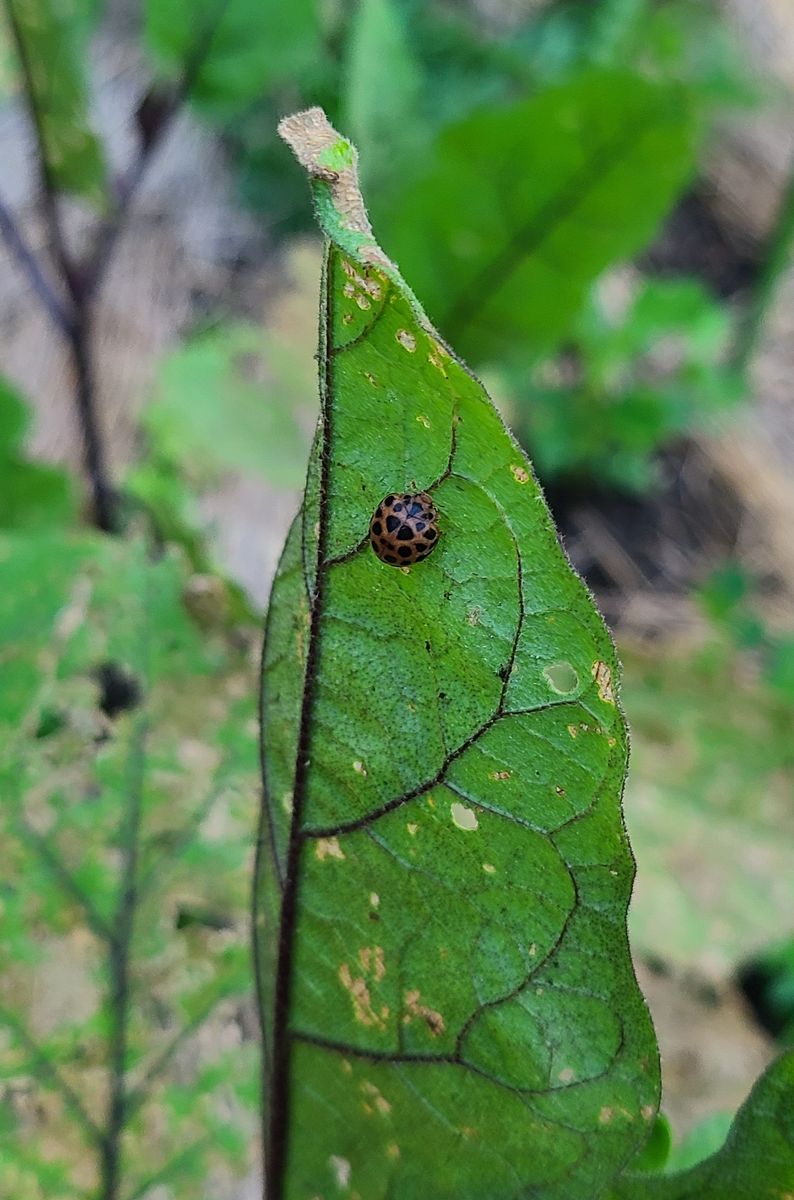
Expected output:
(656, 1151)
(231, 51)
(556, 189)
(51, 42)
(756, 1161)
(705, 1139)
(448, 998)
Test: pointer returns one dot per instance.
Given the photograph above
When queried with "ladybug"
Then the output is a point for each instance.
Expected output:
(404, 528)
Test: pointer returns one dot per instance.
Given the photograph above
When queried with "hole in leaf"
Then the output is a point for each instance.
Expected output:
(561, 677)
(463, 817)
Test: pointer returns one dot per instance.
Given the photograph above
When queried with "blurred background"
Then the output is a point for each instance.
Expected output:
(595, 203)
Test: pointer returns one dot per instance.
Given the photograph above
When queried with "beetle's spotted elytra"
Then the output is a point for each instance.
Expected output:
(404, 528)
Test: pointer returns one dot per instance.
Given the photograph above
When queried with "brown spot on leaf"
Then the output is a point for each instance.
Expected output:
(328, 848)
(603, 680)
(378, 1100)
(356, 988)
(416, 1010)
(372, 961)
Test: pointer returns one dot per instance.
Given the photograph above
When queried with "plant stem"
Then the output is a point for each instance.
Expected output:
(161, 111)
(21, 251)
(82, 280)
(776, 258)
(77, 327)
(104, 495)
(49, 189)
(119, 970)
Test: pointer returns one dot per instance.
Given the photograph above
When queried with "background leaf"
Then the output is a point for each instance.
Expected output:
(127, 751)
(381, 88)
(231, 51)
(694, 801)
(227, 400)
(557, 187)
(32, 495)
(757, 1158)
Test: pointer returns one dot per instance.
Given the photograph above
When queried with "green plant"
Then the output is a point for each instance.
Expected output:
(727, 599)
(626, 384)
(447, 999)
(611, 99)
(126, 771)
(32, 495)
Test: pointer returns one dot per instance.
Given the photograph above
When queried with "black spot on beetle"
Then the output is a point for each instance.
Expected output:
(406, 534)
(389, 558)
(392, 523)
(405, 551)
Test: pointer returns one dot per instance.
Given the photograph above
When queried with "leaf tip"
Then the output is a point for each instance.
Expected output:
(329, 158)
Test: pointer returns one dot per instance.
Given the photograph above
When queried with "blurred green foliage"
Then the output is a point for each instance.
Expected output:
(226, 53)
(50, 39)
(571, 132)
(727, 598)
(128, 775)
(708, 800)
(627, 382)
(32, 496)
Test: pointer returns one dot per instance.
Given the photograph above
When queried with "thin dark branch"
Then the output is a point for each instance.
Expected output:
(49, 187)
(47, 1070)
(77, 329)
(161, 109)
(103, 492)
(30, 265)
(119, 964)
(82, 280)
